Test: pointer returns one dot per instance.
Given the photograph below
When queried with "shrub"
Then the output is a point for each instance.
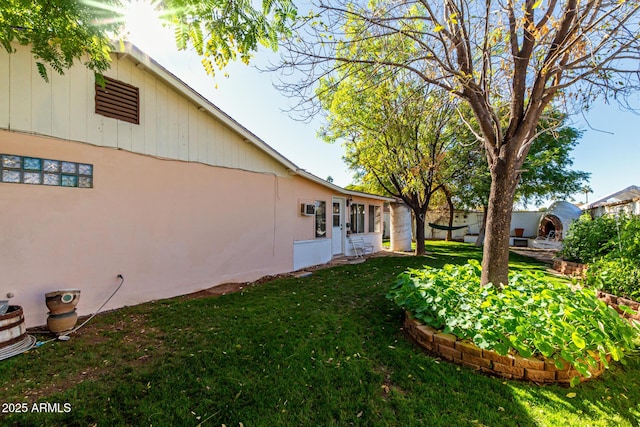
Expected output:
(588, 240)
(529, 316)
(611, 247)
(618, 276)
(626, 244)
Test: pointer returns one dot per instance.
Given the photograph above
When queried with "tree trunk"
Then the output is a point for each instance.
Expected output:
(483, 228)
(495, 255)
(420, 248)
(450, 203)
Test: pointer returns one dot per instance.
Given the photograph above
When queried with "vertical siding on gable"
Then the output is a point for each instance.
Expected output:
(94, 121)
(183, 136)
(193, 133)
(109, 133)
(203, 139)
(138, 131)
(228, 149)
(79, 106)
(124, 133)
(221, 134)
(163, 121)
(212, 137)
(235, 149)
(60, 105)
(21, 95)
(148, 112)
(171, 125)
(5, 88)
(41, 102)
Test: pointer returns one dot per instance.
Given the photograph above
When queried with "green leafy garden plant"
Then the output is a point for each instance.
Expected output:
(589, 239)
(529, 316)
(611, 246)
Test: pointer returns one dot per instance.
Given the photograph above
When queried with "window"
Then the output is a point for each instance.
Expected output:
(118, 100)
(375, 219)
(357, 218)
(33, 170)
(321, 219)
(336, 215)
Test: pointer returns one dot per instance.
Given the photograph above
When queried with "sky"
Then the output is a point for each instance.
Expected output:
(609, 148)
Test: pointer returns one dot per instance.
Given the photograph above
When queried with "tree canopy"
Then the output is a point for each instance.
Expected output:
(546, 173)
(399, 134)
(60, 32)
(508, 60)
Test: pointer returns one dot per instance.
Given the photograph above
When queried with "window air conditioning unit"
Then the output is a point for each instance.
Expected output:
(307, 209)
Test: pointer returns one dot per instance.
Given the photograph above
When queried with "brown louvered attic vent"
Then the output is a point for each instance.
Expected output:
(118, 100)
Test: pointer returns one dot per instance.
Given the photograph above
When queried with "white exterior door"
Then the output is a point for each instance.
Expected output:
(337, 231)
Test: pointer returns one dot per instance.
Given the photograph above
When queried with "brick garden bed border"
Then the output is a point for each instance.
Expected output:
(569, 268)
(614, 301)
(464, 352)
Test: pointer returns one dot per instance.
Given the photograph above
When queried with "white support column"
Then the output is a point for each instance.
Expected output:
(400, 227)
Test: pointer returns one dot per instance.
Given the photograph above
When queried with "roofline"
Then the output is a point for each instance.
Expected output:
(611, 204)
(603, 200)
(144, 61)
(311, 177)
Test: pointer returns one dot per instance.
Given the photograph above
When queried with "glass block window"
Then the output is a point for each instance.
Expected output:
(36, 171)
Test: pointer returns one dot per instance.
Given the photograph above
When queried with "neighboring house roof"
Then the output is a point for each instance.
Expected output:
(143, 60)
(626, 195)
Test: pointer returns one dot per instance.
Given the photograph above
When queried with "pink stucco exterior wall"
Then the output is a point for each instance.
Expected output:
(310, 192)
(185, 200)
(169, 227)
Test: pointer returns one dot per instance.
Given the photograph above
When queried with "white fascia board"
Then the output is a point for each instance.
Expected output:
(182, 88)
(341, 190)
(626, 194)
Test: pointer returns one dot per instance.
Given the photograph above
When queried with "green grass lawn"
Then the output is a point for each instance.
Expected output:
(318, 351)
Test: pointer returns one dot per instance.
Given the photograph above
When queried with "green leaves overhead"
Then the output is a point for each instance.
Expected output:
(63, 31)
(546, 172)
(60, 32)
(399, 134)
(221, 30)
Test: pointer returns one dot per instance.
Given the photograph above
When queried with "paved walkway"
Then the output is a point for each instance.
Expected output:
(544, 255)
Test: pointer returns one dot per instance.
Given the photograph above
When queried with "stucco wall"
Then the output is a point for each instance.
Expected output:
(526, 220)
(185, 200)
(169, 227)
(310, 192)
(311, 250)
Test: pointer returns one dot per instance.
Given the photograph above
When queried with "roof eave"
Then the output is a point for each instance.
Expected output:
(145, 61)
(341, 190)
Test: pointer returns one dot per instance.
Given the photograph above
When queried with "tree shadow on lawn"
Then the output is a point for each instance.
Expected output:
(607, 400)
(473, 397)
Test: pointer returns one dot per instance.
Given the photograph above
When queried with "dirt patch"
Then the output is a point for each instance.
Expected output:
(228, 288)
(138, 341)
